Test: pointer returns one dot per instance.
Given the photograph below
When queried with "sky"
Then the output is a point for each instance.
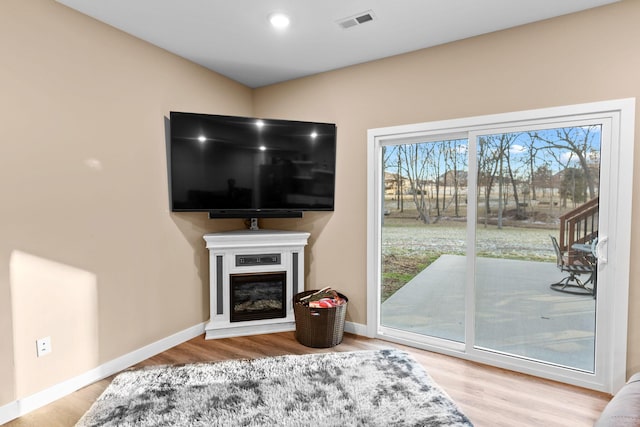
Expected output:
(548, 147)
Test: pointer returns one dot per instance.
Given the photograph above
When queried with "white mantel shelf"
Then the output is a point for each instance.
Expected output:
(224, 248)
(256, 239)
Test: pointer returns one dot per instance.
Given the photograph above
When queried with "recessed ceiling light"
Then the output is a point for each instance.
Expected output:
(279, 20)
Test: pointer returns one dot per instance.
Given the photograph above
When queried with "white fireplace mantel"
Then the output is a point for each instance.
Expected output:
(227, 251)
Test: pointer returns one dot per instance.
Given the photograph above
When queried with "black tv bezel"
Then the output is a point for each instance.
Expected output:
(246, 213)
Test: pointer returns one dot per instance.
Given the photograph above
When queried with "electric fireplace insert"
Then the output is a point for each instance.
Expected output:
(258, 296)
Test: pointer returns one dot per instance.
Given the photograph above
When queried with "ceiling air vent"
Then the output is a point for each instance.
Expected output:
(358, 19)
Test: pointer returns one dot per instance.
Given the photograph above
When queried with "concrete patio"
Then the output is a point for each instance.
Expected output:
(516, 311)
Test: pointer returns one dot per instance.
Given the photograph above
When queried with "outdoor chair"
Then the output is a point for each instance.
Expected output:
(572, 283)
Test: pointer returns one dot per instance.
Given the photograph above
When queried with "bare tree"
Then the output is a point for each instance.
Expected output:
(541, 177)
(436, 164)
(488, 155)
(493, 150)
(416, 161)
(506, 142)
(564, 163)
(579, 140)
(400, 185)
(457, 158)
(532, 157)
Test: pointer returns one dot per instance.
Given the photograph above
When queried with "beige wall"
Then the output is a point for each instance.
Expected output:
(89, 253)
(584, 57)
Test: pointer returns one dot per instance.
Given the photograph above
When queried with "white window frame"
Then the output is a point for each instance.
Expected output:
(618, 118)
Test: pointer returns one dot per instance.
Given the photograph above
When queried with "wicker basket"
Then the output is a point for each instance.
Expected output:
(319, 327)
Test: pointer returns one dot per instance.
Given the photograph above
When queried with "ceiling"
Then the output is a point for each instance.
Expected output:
(235, 38)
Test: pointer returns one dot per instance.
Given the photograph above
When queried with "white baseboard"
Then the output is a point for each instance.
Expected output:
(25, 405)
(355, 328)
(9, 412)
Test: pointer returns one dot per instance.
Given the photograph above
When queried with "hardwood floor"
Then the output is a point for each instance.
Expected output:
(488, 396)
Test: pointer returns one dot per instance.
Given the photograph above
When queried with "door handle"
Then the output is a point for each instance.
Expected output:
(601, 254)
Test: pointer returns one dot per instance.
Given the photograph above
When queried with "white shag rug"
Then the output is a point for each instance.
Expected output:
(360, 388)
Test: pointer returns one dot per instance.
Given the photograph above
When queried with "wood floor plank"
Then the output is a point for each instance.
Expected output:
(489, 396)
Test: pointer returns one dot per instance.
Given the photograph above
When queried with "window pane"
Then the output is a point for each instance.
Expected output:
(535, 291)
(424, 238)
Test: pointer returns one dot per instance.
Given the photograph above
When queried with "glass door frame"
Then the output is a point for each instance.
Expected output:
(618, 118)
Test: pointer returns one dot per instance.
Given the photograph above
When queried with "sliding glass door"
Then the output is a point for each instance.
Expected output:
(492, 239)
(424, 238)
(537, 198)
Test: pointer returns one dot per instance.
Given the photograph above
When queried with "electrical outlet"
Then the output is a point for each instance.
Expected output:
(43, 346)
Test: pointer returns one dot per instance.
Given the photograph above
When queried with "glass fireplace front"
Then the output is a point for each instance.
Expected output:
(258, 296)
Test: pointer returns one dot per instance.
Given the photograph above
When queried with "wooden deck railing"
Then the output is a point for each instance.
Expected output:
(579, 225)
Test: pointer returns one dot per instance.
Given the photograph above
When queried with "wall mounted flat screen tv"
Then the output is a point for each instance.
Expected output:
(241, 167)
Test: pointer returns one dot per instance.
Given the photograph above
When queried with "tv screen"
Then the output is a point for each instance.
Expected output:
(247, 167)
